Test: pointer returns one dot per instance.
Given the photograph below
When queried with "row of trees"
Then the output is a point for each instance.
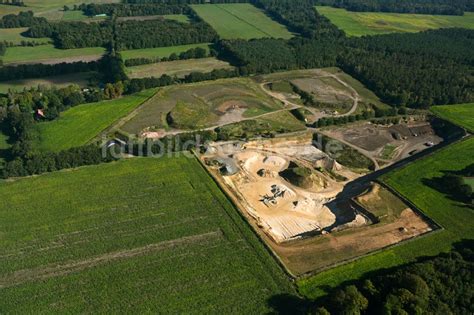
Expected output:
(193, 53)
(444, 7)
(18, 3)
(49, 162)
(26, 71)
(299, 16)
(440, 285)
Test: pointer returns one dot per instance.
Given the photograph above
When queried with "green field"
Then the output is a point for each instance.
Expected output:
(81, 79)
(373, 23)
(240, 20)
(80, 16)
(178, 68)
(80, 124)
(48, 53)
(50, 9)
(456, 219)
(142, 235)
(462, 114)
(160, 51)
(177, 17)
(470, 181)
(13, 35)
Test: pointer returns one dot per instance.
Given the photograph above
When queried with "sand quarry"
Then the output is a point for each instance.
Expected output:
(284, 211)
(317, 225)
(371, 139)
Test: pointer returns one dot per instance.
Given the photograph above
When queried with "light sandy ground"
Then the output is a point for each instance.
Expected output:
(324, 227)
(320, 252)
(297, 211)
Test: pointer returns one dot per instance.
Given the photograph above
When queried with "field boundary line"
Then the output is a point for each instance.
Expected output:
(372, 253)
(241, 19)
(113, 124)
(21, 276)
(229, 196)
(440, 228)
(467, 130)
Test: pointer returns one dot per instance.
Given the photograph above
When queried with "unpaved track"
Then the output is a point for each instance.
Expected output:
(355, 97)
(21, 276)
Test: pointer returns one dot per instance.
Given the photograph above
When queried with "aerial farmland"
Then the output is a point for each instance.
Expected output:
(243, 157)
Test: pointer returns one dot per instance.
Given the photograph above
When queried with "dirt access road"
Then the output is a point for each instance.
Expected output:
(318, 114)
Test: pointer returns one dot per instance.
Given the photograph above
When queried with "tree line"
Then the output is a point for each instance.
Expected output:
(126, 9)
(26, 71)
(18, 3)
(439, 285)
(300, 17)
(192, 53)
(439, 7)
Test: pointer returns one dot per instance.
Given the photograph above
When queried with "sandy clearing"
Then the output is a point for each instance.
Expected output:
(323, 251)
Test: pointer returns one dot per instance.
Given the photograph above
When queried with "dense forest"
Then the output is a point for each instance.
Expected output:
(419, 70)
(300, 17)
(22, 19)
(440, 285)
(158, 33)
(413, 70)
(444, 7)
(27, 71)
(124, 9)
(129, 34)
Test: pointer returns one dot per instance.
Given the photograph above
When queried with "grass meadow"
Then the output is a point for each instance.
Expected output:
(81, 79)
(470, 181)
(80, 16)
(144, 235)
(14, 35)
(240, 20)
(49, 54)
(456, 219)
(50, 9)
(160, 51)
(373, 23)
(461, 115)
(81, 124)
